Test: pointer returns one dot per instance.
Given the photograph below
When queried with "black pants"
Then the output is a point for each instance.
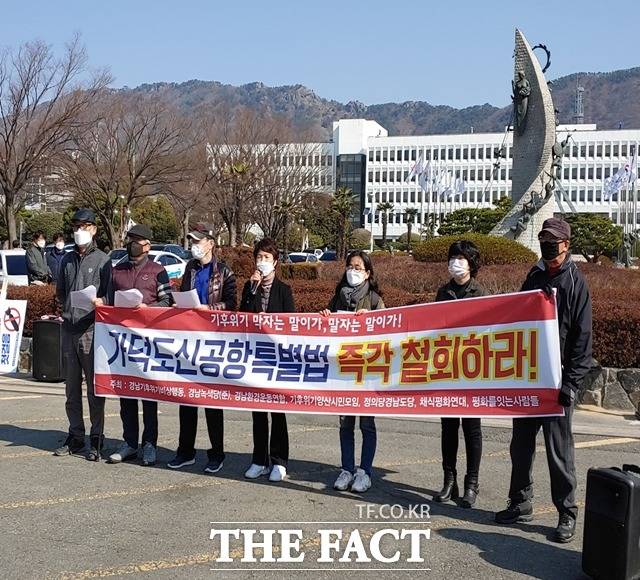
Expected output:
(276, 449)
(472, 430)
(189, 428)
(130, 427)
(558, 440)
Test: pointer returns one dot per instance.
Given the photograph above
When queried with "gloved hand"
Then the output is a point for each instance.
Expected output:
(566, 396)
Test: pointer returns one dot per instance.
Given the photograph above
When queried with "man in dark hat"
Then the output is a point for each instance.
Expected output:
(152, 281)
(556, 270)
(85, 266)
(215, 284)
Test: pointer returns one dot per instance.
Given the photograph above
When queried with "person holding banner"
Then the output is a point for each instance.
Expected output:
(356, 292)
(265, 292)
(215, 284)
(464, 263)
(85, 267)
(556, 271)
(152, 281)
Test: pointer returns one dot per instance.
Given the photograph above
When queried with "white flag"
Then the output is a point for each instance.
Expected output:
(415, 170)
(633, 169)
(613, 185)
(425, 176)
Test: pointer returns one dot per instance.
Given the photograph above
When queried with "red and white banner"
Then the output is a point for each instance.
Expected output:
(490, 356)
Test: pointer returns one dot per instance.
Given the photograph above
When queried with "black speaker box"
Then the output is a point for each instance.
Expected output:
(48, 358)
(611, 541)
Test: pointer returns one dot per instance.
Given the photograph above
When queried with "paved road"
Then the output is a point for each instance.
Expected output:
(69, 518)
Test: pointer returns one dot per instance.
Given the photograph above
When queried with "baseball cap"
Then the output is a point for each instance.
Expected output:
(84, 214)
(558, 228)
(199, 235)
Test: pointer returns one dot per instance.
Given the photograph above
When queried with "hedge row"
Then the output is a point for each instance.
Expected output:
(493, 249)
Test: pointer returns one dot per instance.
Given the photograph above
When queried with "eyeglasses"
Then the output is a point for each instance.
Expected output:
(357, 268)
(81, 226)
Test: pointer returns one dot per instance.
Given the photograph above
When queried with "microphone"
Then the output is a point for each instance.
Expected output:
(254, 286)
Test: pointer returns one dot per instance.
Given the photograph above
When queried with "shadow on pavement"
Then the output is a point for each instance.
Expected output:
(521, 555)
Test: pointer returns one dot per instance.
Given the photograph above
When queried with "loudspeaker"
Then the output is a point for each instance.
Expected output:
(611, 540)
(48, 357)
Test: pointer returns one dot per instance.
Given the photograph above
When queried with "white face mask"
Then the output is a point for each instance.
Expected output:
(198, 251)
(60, 246)
(265, 268)
(355, 278)
(41, 243)
(82, 237)
(458, 268)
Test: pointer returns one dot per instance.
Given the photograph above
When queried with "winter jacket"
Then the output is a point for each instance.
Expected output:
(78, 272)
(222, 284)
(37, 268)
(471, 290)
(574, 317)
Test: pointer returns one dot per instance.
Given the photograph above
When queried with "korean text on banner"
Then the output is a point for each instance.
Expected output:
(480, 357)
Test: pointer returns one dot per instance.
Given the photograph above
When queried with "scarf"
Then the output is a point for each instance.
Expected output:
(349, 296)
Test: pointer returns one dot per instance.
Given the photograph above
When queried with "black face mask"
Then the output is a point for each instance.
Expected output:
(135, 249)
(550, 250)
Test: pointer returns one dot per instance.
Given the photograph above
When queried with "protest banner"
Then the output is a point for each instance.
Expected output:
(13, 317)
(489, 356)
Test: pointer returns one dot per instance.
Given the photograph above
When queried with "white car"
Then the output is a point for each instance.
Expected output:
(14, 267)
(173, 264)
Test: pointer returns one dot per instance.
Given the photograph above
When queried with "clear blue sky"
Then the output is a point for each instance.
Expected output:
(456, 52)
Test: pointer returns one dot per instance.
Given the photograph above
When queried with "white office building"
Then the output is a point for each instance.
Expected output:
(375, 166)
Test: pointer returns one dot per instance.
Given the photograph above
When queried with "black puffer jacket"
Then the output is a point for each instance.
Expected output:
(574, 317)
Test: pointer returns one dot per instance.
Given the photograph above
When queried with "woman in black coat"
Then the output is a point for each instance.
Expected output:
(264, 292)
(464, 263)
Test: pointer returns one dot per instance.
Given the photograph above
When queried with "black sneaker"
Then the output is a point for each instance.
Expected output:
(71, 445)
(180, 461)
(515, 512)
(95, 449)
(214, 466)
(566, 529)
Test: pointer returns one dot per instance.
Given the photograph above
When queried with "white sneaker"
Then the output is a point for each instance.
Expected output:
(124, 452)
(256, 471)
(344, 480)
(361, 482)
(278, 473)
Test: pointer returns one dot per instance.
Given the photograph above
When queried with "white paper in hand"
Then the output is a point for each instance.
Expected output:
(188, 299)
(128, 298)
(83, 299)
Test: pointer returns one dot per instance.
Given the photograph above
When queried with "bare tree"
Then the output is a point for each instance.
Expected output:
(134, 151)
(42, 99)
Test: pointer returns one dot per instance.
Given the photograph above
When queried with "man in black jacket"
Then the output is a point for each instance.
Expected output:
(555, 270)
(215, 284)
(37, 268)
(85, 266)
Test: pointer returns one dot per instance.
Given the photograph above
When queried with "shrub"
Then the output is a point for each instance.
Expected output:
(41, 300)
(493, 249)
(239, 259)
(304, 271)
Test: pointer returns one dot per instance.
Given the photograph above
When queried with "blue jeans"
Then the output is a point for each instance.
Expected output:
(347, 443)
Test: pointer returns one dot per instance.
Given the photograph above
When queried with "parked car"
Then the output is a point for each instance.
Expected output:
(329, 256)
(117, 255)
(173, 249)
(299, 257)
(173, 264)
(14, 267)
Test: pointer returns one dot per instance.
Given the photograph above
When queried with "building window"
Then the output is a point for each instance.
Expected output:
(574, 173)
(623, 151)
(377, 177)
(599, 173)
(378, 155)
(435, 155)
(391, 176)
(406, 155)
(370, 177)
(616, 150)
(398, 176)
(591, 150)
(472, 174)
(590, 173)
(384, 155)
(607, 172)
(413, 154)
(599, 151)
(458, 153)
(566, 173)
(392, 155)
(582, 173)
(465, 153)
(480, 152)
(607, 150)
(371, 155)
